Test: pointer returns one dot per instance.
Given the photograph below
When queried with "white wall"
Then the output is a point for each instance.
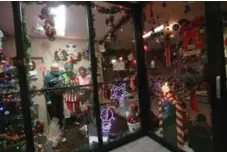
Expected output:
(42, 47)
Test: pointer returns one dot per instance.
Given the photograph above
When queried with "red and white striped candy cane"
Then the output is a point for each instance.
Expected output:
(179, 117)
(160, 116)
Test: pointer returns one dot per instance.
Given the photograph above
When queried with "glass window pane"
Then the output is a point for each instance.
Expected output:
(177, 65)
(60, 68)
(119, 105)
(12, 135)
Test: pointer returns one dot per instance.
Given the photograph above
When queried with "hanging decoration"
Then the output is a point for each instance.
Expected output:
(167, 52)
(190, 30)
(119, 92)
(187, 8)
(109, 31)
(125, 19)
(49, 24)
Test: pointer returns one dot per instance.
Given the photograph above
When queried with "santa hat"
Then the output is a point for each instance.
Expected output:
(68, 66)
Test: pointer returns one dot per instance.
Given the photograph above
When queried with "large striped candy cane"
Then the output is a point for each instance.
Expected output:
(160, 116)
(179, 118)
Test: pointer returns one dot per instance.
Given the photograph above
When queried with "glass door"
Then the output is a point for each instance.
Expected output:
(176, 57)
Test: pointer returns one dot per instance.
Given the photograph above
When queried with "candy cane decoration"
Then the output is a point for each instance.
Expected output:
(160, 117)
(179, 114)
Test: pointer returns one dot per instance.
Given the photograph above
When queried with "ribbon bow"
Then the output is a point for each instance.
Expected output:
(191, 31)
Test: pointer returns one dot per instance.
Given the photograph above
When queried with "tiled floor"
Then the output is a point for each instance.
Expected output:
(144, 144)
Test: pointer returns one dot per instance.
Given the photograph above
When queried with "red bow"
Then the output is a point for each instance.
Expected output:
(192, 32)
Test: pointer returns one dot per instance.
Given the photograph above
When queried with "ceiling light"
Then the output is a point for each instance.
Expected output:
(156, 30)
(59, 19)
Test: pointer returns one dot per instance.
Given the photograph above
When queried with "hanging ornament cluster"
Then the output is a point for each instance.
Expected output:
(111, 36)
(49, 24)
(190, 30)
(151, 19)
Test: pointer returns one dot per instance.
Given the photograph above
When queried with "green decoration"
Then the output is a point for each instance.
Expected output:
(192, 79)
(27, 41)
(169, 123)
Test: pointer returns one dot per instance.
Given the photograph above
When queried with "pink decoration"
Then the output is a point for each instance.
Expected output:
(43, 68)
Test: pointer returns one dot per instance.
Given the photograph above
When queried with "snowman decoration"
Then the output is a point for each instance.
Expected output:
(73, 55)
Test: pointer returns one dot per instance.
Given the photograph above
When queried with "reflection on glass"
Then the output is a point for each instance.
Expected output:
(119, 111)
(180, 110)
(119, 105)
(63, 90)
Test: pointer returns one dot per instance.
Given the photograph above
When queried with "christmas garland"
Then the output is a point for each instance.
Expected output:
(125, 19)
(27, 41)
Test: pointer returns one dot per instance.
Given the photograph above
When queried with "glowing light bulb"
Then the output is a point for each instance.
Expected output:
(145, 47)
(134, 61)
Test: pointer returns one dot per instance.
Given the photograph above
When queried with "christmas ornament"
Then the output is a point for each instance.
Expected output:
(175, 27)
(225, 41)
(187, 9)
(49, 24)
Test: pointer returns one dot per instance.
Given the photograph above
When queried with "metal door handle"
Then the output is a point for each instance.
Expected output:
(218, 87)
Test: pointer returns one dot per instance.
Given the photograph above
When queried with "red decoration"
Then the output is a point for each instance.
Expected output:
(134, 61)
(49, 25)
(133, 116)
(194, 102)
(225, 41)
(191, 31)
(167, 51)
